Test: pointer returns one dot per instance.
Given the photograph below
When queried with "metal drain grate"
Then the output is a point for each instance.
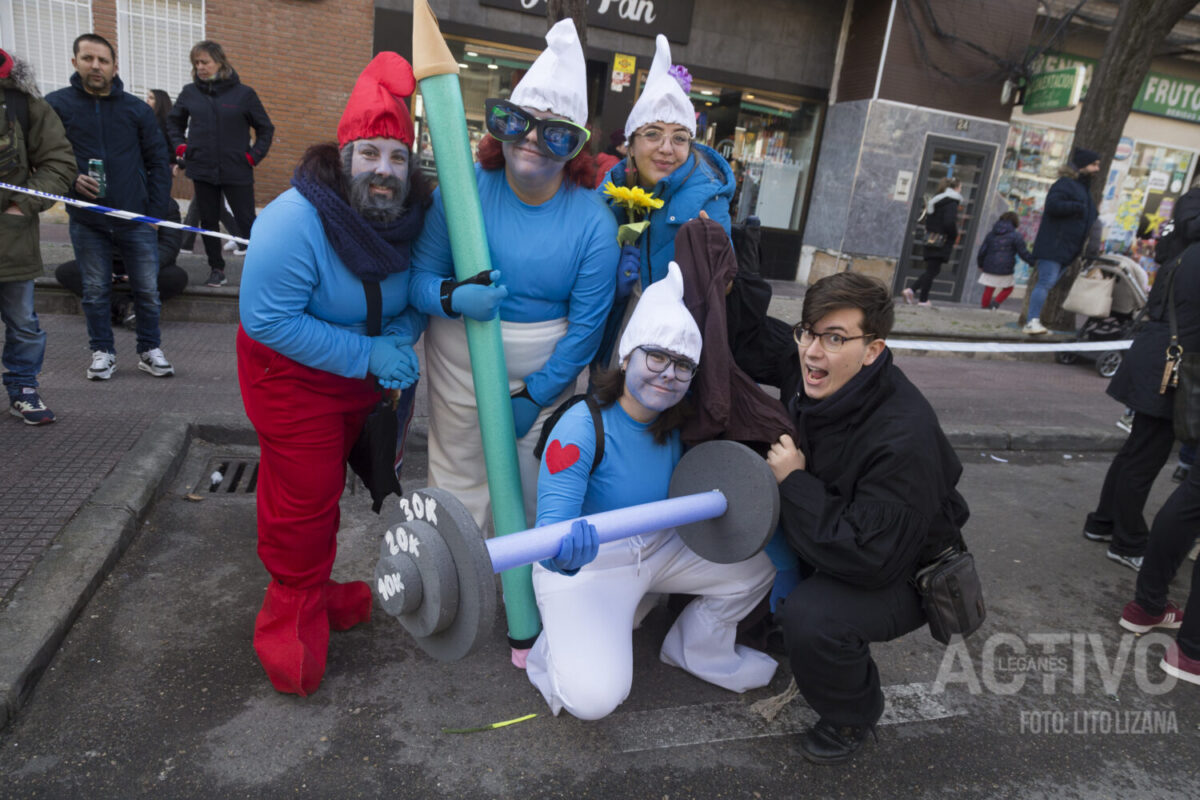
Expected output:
(228, 475)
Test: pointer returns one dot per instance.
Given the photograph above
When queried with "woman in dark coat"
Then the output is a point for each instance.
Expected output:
(941, 216)
(1118, 516)
(210, 130)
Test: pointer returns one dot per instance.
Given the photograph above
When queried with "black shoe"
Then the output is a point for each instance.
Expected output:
(1180, 474)
(825, 743)
(216, 278)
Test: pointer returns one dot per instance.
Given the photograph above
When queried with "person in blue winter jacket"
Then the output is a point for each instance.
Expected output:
(665, 160)
(553, 246)
(997, 258)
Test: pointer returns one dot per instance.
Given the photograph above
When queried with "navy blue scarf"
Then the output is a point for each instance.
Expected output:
(371, 251)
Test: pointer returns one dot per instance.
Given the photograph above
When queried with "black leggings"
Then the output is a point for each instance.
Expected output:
(241, 203)
(924, 283)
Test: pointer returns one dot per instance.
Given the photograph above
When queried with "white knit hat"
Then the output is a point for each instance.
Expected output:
(662, 98)
(662, 320)
(557, 81)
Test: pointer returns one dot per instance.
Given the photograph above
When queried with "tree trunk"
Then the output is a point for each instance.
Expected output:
(575, 9)
(1140, 28)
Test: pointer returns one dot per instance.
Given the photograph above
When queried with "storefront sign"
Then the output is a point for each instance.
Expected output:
(622, 72)
(1058, 90)
(1160, 95)
(672, 18)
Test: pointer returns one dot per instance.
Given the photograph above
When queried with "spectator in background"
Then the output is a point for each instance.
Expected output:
(1067, 220)
(941, 218)
(997, 258)
(34, 154)
(611, 156)
(210, 130)
(108, 125)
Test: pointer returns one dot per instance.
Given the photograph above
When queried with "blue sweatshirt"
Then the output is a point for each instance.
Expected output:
(634, 469)
(300, 300)
(558, 259)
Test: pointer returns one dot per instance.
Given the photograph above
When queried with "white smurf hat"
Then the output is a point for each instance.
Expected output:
(662, 98)
(662, 320)
(557, 81)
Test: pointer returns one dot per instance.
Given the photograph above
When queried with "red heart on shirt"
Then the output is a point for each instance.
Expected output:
(559, 458)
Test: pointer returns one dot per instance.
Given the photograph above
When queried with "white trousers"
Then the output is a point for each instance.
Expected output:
(583, 658)
(455, 446)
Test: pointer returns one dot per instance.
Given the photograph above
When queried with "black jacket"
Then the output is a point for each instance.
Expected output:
(216, 117)
(998, 253)
(1067, 219)
(877, 497)
(1140, 374)
(941, 216)
(121, 130)
(1183, 228)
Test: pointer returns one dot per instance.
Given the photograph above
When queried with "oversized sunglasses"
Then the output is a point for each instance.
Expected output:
(558, 139)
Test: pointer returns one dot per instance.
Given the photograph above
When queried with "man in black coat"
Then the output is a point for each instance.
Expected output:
(867, 497)
(1067, 220)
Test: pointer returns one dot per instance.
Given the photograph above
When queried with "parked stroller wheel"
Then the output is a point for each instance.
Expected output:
(1063, 357)
(1108, 363)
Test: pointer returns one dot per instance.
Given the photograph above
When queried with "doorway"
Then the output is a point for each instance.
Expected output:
(971, 163)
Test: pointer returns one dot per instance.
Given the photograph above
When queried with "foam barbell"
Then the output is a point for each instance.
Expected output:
(435, 569)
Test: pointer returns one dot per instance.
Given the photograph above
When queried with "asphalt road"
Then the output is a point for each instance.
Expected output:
(156, 692)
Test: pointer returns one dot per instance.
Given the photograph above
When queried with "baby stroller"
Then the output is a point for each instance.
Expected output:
(1128, 299)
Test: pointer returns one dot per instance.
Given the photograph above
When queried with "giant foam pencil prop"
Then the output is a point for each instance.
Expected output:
(436, 71)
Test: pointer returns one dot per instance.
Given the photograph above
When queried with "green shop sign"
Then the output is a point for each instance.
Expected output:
(1160, 95)
(1057, 90)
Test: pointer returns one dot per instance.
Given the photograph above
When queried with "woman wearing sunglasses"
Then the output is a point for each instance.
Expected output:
(664, 159)
(589, 595)
(554, 253)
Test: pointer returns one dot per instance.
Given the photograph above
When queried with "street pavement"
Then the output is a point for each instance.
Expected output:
(155, 689)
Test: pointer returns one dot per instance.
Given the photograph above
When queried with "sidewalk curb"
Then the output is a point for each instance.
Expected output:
(46, 602)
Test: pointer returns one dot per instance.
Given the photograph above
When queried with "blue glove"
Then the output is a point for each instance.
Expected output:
(578, 547)
(478, 301)
(785, 582)
(525, 412)
(395, 365)
(629, 270)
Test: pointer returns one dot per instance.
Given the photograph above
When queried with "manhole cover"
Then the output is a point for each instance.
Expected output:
(228, 475)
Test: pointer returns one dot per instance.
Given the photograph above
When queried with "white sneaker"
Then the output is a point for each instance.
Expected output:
(103, 366)
(154, 362)
(229, 246)
(1034, 327)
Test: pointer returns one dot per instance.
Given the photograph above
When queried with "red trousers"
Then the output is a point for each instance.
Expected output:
(307, 421)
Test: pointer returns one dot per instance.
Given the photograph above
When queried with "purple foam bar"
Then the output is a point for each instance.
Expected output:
(535, 544)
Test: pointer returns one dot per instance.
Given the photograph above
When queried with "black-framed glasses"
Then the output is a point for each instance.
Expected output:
(657, 361)
(831, 341)
(558, 139)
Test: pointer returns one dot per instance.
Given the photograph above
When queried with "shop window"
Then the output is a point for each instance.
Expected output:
(154, 38)
(769, 141)
(40, 32)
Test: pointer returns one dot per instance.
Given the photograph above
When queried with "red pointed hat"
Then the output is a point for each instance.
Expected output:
(376, 108)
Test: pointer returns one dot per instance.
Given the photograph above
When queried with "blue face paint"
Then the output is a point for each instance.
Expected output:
(654, 391)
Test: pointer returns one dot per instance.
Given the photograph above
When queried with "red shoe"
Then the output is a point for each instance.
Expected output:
(291, 637)
(1137, 619)
(1177, 664)
(348, 604)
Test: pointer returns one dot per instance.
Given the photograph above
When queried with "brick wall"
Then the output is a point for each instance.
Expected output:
(301, 57)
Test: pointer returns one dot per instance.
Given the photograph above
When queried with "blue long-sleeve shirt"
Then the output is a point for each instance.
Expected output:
(300, 300)
(634, 469)
(557, 259)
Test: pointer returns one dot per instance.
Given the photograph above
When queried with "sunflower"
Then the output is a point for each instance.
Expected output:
(639, 203)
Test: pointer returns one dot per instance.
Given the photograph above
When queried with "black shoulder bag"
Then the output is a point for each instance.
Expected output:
(1184, 371)
(373, 457)
(951, 594)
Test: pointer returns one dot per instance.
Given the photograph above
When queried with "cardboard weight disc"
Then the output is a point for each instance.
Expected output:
(471, 607)
(750, 489)
(415, 579)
